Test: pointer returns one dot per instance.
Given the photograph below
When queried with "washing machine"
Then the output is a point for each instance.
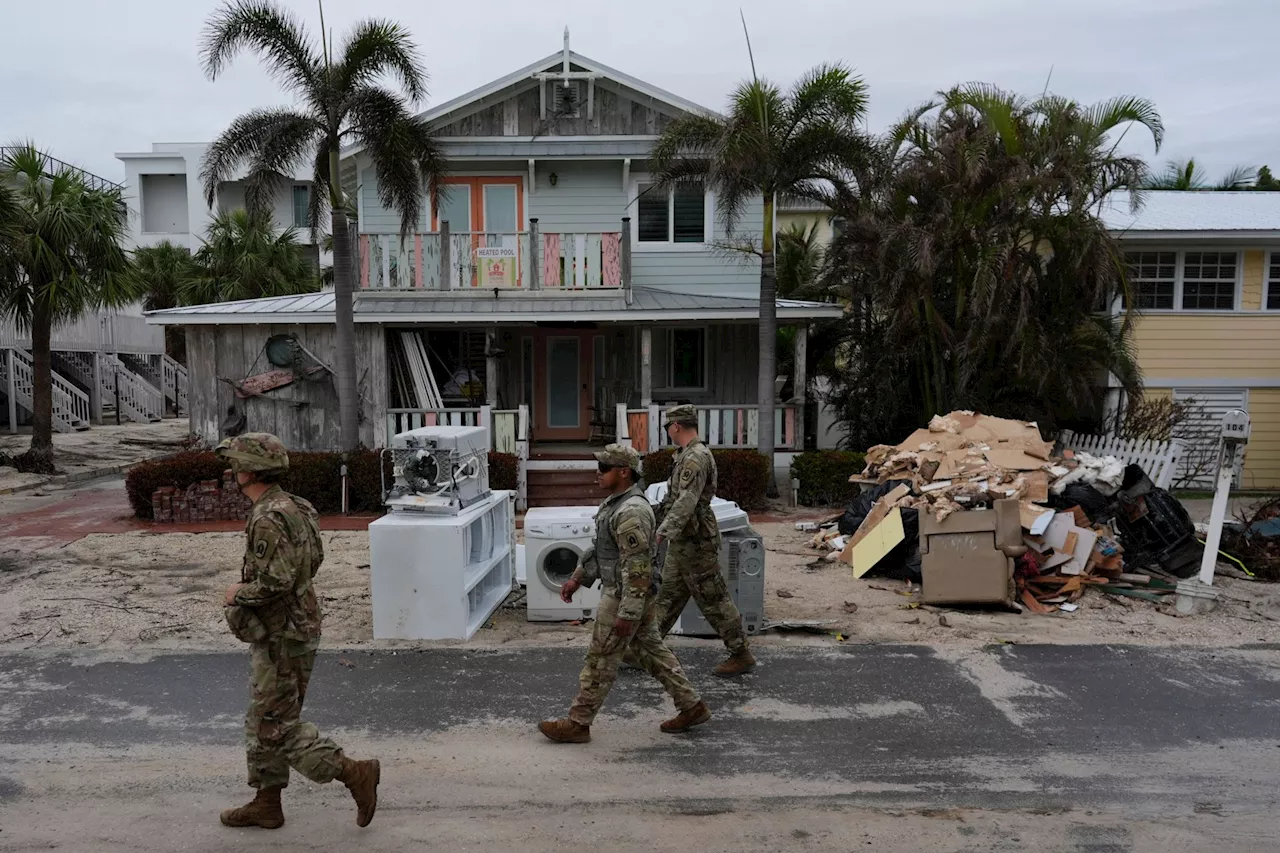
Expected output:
(554, 541)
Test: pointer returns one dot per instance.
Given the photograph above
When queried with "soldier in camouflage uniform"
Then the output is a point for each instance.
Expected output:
(274, 609)
(688, 524)
(627, 618)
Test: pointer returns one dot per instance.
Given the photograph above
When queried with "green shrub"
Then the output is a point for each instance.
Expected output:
(824, 476)
(314, 476)
(742, 475)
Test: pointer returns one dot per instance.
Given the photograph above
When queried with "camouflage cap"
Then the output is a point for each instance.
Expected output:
(619, 457)
(254, 451)
(684, 415)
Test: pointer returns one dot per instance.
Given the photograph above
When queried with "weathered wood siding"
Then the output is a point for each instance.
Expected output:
(305, 414)
(618, 111)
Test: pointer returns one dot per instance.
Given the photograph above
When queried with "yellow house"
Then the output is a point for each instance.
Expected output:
(1206, 270)
(800, 211)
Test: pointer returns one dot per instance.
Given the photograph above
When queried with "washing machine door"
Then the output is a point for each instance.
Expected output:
(556, 563)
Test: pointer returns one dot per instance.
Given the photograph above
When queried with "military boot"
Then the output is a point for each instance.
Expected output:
(565, 731)
(361, 779)
(737, 664)
(685, 720)
(264, 811)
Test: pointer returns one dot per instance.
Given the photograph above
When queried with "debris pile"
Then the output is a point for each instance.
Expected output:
(978, 510)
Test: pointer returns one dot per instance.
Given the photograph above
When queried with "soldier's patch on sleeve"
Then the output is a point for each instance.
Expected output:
(260, 548)
(686, 475)
(633, 542)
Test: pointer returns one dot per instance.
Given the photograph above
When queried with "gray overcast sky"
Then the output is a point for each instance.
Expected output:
(88, 78)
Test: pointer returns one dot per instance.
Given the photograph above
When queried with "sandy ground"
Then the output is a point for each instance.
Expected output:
(162, 591)
(95, 450)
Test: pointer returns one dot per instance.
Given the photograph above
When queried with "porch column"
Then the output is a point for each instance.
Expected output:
(491, 366)
(646, 366)
(800, 393)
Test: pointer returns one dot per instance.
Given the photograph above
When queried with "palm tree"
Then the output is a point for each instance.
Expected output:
(770, 144)
(1188, 175)
(63, 257)
(243, 257)
(340, 104)
(161, 273)
(974, 261)
(799, 252)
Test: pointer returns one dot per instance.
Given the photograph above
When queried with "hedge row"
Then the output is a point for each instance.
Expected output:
(314, 476)
(742, 475)
(824, 476)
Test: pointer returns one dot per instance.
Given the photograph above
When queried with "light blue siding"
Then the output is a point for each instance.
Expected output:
(589, 196)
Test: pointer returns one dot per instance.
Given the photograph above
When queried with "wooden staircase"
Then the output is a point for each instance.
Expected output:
(70, 404)
(562, 478)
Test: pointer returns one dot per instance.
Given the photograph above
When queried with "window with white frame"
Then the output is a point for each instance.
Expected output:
(1153, 277)
(686, 359)
(1273, 282)
(1209, 281)
(301, 205)
(675, 216)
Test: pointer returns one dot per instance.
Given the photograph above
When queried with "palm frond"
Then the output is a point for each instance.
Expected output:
(1110, 114)
(285, 144)
(243, 142)
(405, 156)
(828, 94)
(377, 47)
(1239, 178)
(273, 32)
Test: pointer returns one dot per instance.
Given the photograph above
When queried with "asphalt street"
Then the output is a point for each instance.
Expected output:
(861, 747)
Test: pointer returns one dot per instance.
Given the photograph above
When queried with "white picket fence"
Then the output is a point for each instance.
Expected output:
(1158, 458)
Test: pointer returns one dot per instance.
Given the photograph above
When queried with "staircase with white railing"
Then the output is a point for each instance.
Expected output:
(70, 404)
(140, 401)
(175, 383)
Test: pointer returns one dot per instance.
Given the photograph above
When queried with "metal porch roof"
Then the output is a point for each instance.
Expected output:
(648, 304)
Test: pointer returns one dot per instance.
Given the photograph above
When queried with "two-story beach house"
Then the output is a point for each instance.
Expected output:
(101, 359)
(551, 293)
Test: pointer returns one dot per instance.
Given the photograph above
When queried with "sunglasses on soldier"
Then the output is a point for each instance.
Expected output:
(605, 467)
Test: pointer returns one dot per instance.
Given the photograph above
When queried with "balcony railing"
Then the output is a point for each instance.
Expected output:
(447, 260)
(721, 426)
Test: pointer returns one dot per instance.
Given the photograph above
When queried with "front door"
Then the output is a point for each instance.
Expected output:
(562, 385)
(482, 212)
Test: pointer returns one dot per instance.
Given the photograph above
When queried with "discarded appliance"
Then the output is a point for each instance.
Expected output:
(742, 564)
(555, 540)
(438, 469)
(436, 576)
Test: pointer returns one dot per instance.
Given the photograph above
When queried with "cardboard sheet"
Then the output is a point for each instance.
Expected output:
(878, 542)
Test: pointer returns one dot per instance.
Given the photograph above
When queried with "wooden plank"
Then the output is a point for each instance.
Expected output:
(385, 245)
(550, 260)
(511, 117)
(638, 427)
(364, 260)
(594, 254)
(712, 416)
(610, 250)
(579, 261)
(790, 421)
(753, 427)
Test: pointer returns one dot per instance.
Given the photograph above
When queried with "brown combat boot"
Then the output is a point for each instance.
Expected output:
(565, 731)
(737, 664)
(361, 779)
(685, 720)
(264, 811)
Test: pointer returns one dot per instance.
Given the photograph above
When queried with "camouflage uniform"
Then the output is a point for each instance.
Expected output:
(622, 558)
(282, 554)
(688, 524)
(276, 612)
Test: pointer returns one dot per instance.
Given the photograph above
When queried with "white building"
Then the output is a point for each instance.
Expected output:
(167, 202)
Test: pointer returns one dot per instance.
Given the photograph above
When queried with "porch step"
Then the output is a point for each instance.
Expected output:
(563, 488)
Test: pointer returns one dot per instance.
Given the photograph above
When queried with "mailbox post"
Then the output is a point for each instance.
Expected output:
(1198, 594)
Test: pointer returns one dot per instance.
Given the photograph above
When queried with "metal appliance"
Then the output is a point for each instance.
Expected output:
(554, 540)
(438, 469)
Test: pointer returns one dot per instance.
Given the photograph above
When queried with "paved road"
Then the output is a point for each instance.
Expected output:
(870, 748)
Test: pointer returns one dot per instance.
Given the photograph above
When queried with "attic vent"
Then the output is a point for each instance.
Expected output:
(567, 99)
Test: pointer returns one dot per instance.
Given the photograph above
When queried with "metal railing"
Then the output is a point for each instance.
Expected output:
(53, 164)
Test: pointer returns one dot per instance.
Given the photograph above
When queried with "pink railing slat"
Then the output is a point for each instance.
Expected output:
(610, 245)
(364, 260)
(550, 260)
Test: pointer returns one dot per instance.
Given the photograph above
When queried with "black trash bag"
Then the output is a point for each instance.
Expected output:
(1094, 503)
(903, 562)
(860, 506)
(1154, 527)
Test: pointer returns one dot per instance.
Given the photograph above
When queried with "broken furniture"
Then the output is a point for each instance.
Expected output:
(968, 557)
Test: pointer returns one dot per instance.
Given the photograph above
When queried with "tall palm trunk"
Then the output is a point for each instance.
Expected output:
(768, 342)
(344, 316)
(39, 457)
